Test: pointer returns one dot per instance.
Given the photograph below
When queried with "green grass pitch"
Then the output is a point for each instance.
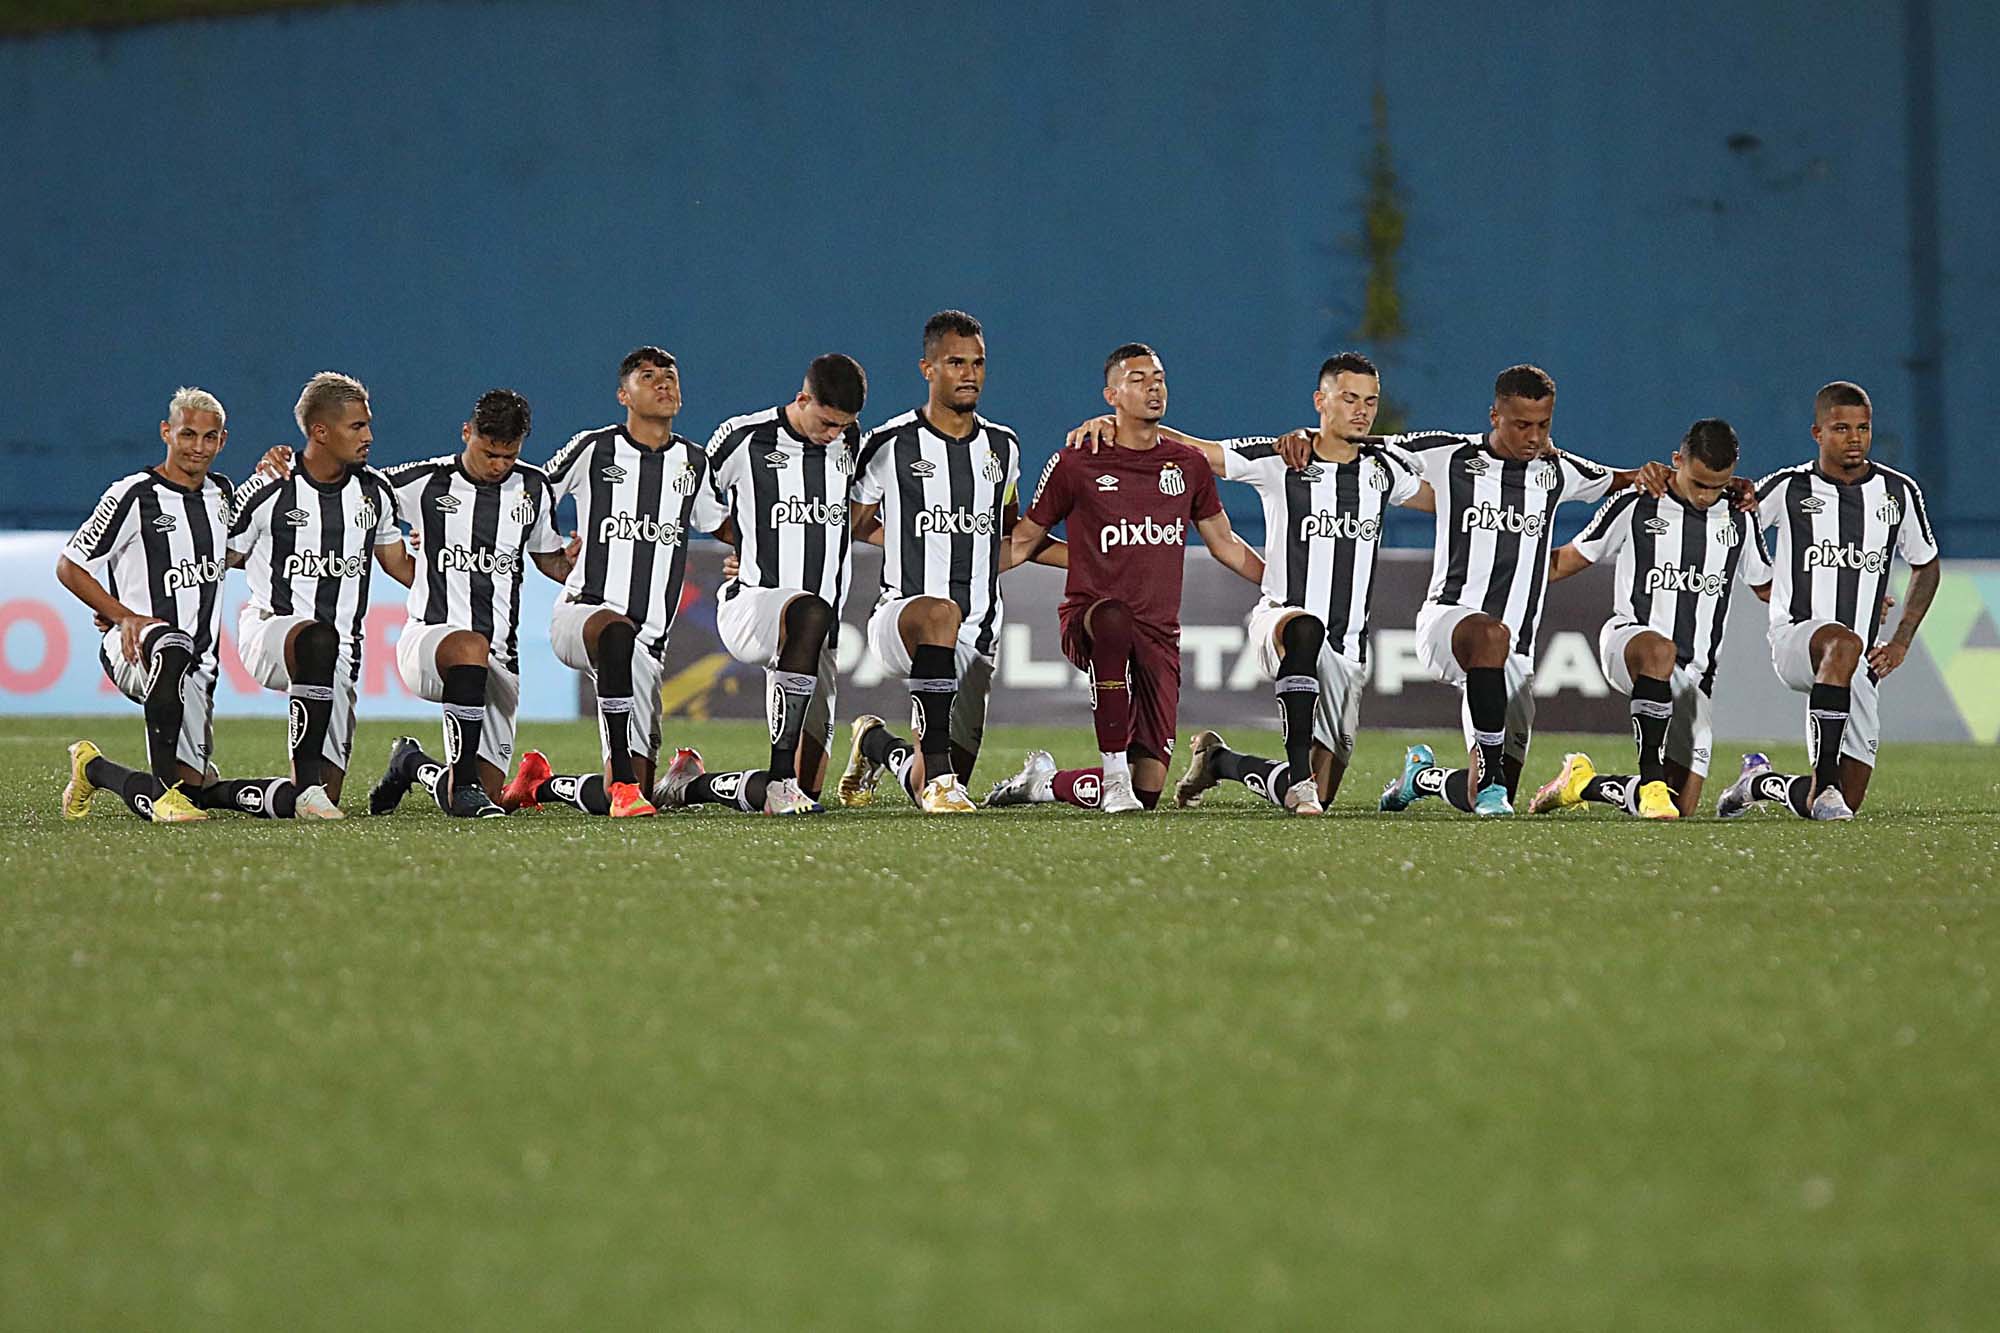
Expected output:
(1027, 1069)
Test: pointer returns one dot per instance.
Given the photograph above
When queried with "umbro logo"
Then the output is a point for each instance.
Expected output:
(1311, 472)
(1476, 467)
(447, 504)
(1107, 482)
(923, 467)
(613, 474)
(777, 458)
(298, 518)
(1656, 525)
(1812, 504)
(165, 523)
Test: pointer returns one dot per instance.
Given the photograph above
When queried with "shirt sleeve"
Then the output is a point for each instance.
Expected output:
(112, 524)
(1915, 541)
(1252, 459)
(1607, 529)
(1203, 501)
(1755, 564)
(1054, 495)
(1406, 474)
(1583, 479)
(868, 485)
(256, 500)
(542, 535)
(389, 518)
(710, 506)
(1770, 501)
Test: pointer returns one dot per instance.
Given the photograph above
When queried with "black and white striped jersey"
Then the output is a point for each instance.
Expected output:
(309, 546)
(788, 497)
(476, 537)
(1676, 567)
(1495, 518)
(636, 511)
(1835, 542)
(1323, 529)
(162, 550)
(943, 510)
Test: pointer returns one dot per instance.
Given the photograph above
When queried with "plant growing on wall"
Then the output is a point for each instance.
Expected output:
(1382, 326)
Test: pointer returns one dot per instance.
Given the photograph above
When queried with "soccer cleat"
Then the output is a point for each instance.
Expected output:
(79, 790)
(1033, 785)
(1565, 789)
(1831, 805)
(1656, 801)
(533, 772)
(1402, 790)
(1492, 800)
(387, 794)
(1200, 775)
(174, 807)
(785, 797)
(314, 803)
(945, 795)
(1741, 795)
(472, 802)
(858, 779)
(670, 792)
(1116, 797)
(1302, 798)
(628, 802)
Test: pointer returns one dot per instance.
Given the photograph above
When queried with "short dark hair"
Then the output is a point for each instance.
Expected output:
(1712, 443)
(645, 356)
(504, 415)
(837, 380)
(948, 322)
(1352, 363)
(1125, 352)
(1841, 393)
(1524, 381)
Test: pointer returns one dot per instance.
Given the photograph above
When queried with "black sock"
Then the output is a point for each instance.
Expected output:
(1826, 724)
(172, 657)
(791, 695)
(1453, 784)
(933, 690)
(464, 720)
(1652, 709)
(138, 790)
(1268, 778)
(1298, 689)
(739, 791)
(263, 798)
(1613, 789)
(1486, 700)
(1795, 792)
(615, 645)
(884, 747)
(315, 651)
(581, 793)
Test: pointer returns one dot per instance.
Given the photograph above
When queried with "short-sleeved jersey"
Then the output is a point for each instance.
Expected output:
(788, 497)
(1676, 567)
(309, 546)
(1323, 529)
(476, 540)
(943, 510)
(1836, 540)
(1128, 512)
(636, 510)
(1495, 518)
(162, 550)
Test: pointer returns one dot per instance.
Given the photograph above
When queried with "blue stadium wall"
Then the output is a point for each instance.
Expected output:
(1704, 212)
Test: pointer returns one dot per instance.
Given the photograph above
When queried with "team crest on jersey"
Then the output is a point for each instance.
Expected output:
(777, 458)
(447, 504)
(1476, 466)
(1171, 480)
(1656, 526)
(1107, 482)
(1891, 511)
(167, 523)
(923, 467)
(1812, 504)
(1546, 475)
(611, 473)
(1729, 534)
(524, 512)
(685, 480)
(1378, 474)
(991, 469)
(842, 460)
(365, 516)
(298, 518)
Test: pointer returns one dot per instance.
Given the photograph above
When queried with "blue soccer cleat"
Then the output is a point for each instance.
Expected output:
(1492, 800)
(1396, 797)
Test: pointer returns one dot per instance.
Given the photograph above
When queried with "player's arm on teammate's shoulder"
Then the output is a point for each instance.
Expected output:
(276, 463)
(1924, 580)
(1230, 550)
(1651, 477)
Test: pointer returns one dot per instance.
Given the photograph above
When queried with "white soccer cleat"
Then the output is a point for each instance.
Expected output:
(314, 803)
(1740, 797)
(670, 792)
(1831, 805)
(1116, 797)
(945, 795)
(1302, 798)
(786, 797)
(1033, 785)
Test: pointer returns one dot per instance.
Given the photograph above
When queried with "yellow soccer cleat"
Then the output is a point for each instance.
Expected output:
(1566, 788)
(174, 807)
(946, 795)
(1656, 801)
(76, 796)
(857, 781)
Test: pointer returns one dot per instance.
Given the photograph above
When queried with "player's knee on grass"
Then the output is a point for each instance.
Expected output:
(315, 647)
(462, 648)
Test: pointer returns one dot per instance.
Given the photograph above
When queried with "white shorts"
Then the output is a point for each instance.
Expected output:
(1341, 679)
(1691, 730)
(416, 663)
(260, 642)
(749, 620)
(566, 625)
(1791, 656)
(975, 670)
(196, 745)
(1435, 625)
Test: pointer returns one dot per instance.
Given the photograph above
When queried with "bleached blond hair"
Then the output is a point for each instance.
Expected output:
(188, 399)
(324, 392)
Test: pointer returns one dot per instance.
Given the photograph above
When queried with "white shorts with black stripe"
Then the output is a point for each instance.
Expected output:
(416, 663)
(260, 642)
(196, 746)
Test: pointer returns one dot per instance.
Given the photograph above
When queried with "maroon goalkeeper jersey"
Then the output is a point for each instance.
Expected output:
(1129, 512)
